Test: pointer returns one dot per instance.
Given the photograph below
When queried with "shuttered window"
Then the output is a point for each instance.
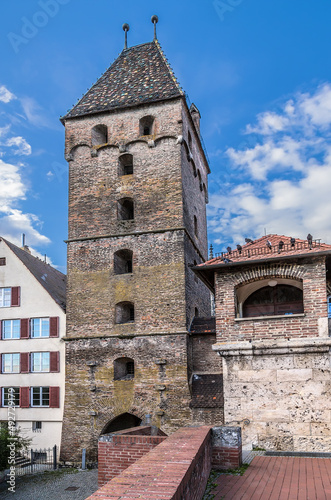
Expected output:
(10, 396)
(10, 363)
(40, 362)
(39, 327)
(10, 329)
(39, 396)
(5, 297)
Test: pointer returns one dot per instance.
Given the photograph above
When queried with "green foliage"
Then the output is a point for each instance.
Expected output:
(211, 485)
(238, 472)
(7, 438)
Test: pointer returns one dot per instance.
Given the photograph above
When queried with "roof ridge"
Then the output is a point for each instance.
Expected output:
(140, 74)
(50, 278)
(171, 71)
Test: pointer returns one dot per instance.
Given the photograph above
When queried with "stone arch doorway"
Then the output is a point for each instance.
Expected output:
(121, 422)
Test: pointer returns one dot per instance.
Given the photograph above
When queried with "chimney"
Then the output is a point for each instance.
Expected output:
(195, 117)
(24, 246)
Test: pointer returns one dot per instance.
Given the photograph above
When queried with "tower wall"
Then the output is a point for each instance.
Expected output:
(163, 241)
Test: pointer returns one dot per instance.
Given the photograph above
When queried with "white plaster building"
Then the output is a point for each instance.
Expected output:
(32, 316)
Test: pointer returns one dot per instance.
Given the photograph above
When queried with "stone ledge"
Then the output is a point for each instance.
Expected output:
(280, 316)
(271, 347)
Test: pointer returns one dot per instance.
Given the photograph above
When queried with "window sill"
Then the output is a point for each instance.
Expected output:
(255, 318)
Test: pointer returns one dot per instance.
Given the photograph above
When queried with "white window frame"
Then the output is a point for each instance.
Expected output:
(10, 356)
(40, 390)
(11, 329)
(43, 363)
(16, 389)
(37, 331)
(5, 297)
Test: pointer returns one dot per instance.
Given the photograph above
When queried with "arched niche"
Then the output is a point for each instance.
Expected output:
(121, 422)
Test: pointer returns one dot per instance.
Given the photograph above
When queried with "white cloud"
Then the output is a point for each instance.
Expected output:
(15, 222)
(285, 176)
(34, 113)
(23, 148)
(11, 186)
(14, 187)
(5, 95)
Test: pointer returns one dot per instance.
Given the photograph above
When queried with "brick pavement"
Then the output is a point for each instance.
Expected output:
(278, 478)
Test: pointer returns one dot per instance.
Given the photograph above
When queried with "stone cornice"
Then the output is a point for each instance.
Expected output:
(272, 347)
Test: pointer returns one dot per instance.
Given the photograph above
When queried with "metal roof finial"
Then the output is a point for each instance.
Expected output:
(155, 20)
(126, 28)
(211, 252)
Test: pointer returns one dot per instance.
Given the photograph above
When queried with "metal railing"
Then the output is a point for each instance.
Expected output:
(34, 461)
(273, 249)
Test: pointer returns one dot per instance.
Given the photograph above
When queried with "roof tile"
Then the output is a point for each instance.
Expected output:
(267, 247)
(50, 278)
(139, 75)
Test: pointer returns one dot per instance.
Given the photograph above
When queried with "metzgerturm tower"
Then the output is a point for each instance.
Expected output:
(137, 220)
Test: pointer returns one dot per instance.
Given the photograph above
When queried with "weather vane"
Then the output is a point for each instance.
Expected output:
(155, 20)
(126, 28)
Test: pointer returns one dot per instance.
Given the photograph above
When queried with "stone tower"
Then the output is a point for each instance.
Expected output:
(137, 220)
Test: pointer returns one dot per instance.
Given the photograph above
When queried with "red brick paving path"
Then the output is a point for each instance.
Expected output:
(278, 478)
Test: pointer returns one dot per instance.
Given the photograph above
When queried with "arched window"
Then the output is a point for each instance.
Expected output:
(125, 166)
(274, 301)
(125, 209)
(123, 369)
(123, 262)
(195, 221)
(124, 313)
(146, 125)
(99, 135)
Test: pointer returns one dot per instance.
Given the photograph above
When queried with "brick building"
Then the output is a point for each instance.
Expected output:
(271, 298)
(137, 221)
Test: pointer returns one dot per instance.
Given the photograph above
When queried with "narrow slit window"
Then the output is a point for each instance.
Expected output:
(195, 221)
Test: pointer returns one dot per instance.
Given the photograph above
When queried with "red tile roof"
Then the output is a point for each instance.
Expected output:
(269, 247)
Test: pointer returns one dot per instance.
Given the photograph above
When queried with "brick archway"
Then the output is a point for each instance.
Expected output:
(121, 422)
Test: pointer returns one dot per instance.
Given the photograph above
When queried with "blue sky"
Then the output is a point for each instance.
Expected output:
(258, 70)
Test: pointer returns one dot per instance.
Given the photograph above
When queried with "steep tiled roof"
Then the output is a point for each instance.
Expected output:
(260, 250)
(139, 75)
(51, 279)
(203, 325)
(207, 391)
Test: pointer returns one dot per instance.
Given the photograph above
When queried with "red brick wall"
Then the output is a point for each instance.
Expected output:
(181, 465)
(123, 450)
(313, 277)
(226, 458)
(177, 469)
